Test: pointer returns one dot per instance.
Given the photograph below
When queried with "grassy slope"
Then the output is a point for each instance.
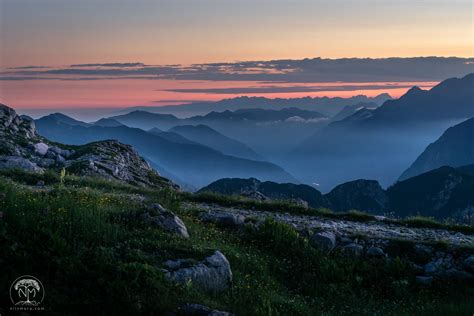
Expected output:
(82, 240)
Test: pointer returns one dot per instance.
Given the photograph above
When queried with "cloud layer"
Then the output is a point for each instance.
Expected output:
(316, 70)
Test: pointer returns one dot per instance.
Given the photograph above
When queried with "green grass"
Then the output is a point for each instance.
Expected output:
(83, 241)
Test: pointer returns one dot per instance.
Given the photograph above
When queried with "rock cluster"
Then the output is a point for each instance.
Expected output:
(213, 274)
(21, 147)
(375, 239)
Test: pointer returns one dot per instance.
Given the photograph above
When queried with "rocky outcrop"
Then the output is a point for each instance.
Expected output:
(454, 148)
(213, 274)
(365, 195)
(21, 147)
(442, 193)
(157, 215)
(435, 255)
(324, 241)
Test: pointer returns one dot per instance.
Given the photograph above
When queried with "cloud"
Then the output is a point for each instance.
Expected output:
(126, 65)
(316, 70)
(30, 67)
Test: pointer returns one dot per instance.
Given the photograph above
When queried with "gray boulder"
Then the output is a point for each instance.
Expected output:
(324, 241)
(165, 220)
(213, 274)
(41, 148)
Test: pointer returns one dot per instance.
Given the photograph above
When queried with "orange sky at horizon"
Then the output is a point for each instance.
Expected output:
(136, 92)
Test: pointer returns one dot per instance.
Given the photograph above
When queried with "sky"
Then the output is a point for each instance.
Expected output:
(152, 52)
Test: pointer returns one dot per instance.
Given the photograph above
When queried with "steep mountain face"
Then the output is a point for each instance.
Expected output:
(352, 109)
(454, 148)
(365, 195)
(381, 143)
(21, 147)
(196, 164)
(442, 193)
(451, 99)
(209, 137)
(272, 190)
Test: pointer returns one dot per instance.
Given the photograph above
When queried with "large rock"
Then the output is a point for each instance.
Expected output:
(157, 215)
(363, 195)
(15, 162)
(324, 241)
(41, 148)
(213, 274)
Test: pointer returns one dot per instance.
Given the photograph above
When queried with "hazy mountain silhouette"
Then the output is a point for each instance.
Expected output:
(205, 135)
(267, 132)
(325, 105)
(107, 122)
(379, 144)
(352, 109)
(454, 148)
(195, 163)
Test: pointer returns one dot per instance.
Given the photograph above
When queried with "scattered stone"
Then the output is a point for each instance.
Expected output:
(353, 250)
(166, 220)
(424, 280)
(213, 274)
(375, 252)
(41, 148)
(223, 219)
(200, 310)
(324, 241)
